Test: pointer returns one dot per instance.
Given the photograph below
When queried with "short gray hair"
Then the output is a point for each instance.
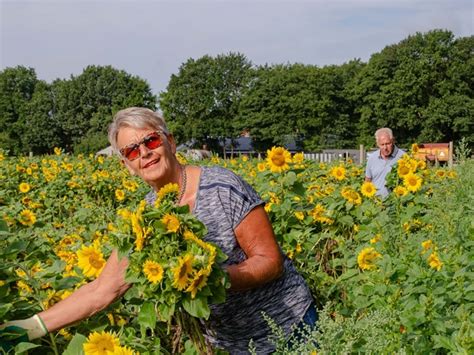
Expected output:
(137, 117)
(383, 131)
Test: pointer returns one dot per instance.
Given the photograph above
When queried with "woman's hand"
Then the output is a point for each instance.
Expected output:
(90, 298)
(264, 261)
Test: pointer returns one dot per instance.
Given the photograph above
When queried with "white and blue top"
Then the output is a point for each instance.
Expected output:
(223, 200)
(378, 168)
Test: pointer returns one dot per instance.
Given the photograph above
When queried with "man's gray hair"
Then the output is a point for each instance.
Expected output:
(383, 132)
(136, 117)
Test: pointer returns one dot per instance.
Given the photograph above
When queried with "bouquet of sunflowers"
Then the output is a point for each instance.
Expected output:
(173, 270)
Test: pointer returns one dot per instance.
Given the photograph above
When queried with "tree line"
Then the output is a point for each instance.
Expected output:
(421, 87)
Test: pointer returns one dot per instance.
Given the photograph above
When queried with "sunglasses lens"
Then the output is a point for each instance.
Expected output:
(153, 141)
(132, 153)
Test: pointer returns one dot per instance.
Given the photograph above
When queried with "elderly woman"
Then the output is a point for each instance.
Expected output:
(262, 278)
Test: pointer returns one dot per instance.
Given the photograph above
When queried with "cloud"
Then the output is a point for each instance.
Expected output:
(152, 39)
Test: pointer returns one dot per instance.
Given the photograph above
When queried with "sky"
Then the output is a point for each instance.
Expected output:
(152, 39)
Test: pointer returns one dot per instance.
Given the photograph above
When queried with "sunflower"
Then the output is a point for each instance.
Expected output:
(261, 167)
(412, 182)
(367, 257)
(403, 169)
(421, 165)
(27, 218)
(119, 195)
(368, 189)
(153, 271)
(400, 191)
(426, 245)
(278, 159)
(440, 173)
(434, 261)
(298, 158)
(299, 215)
(377, 238)
(102, 343)
(170, 189)
(91, 260)
(171, 222)
(338, 172)
(182, 271)
(414, 148)
(197, 283)
(57, 151)
(24, 187)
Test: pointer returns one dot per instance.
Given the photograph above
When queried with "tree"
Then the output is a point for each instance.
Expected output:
(412, 87)
(201, 101)
(17, 86)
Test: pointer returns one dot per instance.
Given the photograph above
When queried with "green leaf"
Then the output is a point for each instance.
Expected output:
(4, 308)
(197, 307)
(75, 346)
(24, 347)
(147, 315)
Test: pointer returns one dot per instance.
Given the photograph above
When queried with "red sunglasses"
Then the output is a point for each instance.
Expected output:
(151, 141)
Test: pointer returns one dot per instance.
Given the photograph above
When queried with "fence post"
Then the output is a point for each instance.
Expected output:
(450, 154)
(362, 154)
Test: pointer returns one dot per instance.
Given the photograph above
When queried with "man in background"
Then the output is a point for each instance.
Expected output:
(381, 161)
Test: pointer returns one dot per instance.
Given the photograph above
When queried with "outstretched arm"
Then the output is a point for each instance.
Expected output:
(90, 298)
(264, 261)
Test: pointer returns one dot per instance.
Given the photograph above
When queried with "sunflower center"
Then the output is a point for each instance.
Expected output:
(278, 159)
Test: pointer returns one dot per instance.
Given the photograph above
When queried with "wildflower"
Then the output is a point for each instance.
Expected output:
(368, 189)
(119, 195)
(278, 159)
(367, 257)
(338, 172)
(27, 218)
(171, 222)
(24, 187)
(90, 260)
(153, 271)
(100, 343)
(412, 182)
(182, 271)
(434, 261)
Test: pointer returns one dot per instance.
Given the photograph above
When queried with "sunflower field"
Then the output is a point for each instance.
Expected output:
(388, 276)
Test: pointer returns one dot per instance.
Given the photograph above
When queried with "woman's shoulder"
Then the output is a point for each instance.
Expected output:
(219, 174)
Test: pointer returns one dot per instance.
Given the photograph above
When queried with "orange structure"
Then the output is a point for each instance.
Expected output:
(435, 152)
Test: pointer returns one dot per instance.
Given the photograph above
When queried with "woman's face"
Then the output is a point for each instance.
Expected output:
(154, 166)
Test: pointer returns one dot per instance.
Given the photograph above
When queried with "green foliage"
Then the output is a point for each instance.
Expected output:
(202, 100)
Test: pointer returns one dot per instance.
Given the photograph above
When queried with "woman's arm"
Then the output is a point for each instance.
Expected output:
(90, 298)
(264, 261)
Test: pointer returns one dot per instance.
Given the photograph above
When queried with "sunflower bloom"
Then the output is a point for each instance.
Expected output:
(24, 187)
(197, 283)
(434, 261)
(101, 343)
(412, 182)
(368, 189)
(27, 218)
(299, 215)
(124, 350)
(400, 191)
(426, 245)
(415, 148)
(170, 189)
(153, 271)
(90, 260)
(338, 172)
(367, 257)
(261, 167)
(119, 195)
(278, 159)
(182, 271)
(171, 222)
(298, 158)
(403, 169)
